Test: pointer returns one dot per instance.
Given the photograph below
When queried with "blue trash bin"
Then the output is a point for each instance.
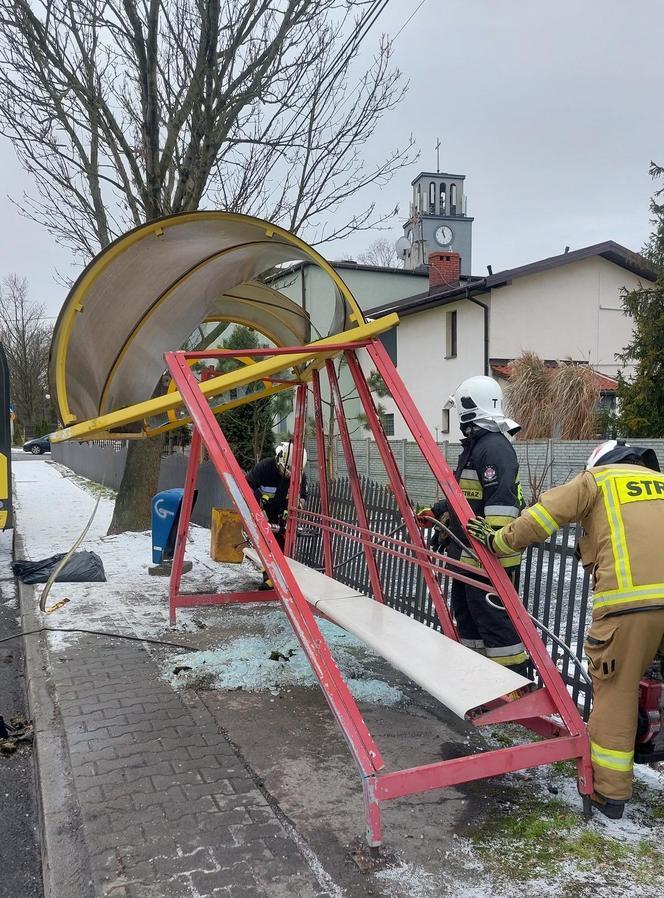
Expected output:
(165, 516)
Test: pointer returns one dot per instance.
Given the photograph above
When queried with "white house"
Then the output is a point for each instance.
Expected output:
(567, 306)
(309, 286)
(371, 285)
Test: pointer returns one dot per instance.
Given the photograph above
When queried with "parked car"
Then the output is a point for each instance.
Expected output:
(38, 446)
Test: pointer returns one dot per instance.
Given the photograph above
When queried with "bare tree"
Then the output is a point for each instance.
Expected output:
(125, 110)
(381, 252)
(26, 340)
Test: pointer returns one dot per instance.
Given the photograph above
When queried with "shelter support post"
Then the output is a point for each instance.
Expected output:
(399, 489)
(184, 520)
(297, 450)
(322, 471)
(354, 477)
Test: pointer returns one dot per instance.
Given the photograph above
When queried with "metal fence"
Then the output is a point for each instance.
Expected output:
(554, 587)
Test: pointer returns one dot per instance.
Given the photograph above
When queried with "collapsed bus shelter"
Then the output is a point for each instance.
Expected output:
(122, 330)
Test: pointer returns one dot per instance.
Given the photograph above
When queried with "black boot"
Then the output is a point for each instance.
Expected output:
(267, 583)
(610, 807)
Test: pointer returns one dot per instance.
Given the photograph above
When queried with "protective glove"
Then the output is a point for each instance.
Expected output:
(483, 532)
(423, 517)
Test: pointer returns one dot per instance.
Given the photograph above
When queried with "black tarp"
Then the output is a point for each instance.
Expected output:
(82, 567)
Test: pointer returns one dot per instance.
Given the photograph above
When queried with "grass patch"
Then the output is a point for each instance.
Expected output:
(565, 768)
(536, 838)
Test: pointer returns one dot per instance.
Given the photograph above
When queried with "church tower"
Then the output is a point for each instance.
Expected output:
(438, 219)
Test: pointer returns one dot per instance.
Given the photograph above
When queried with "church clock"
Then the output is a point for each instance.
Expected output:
(444, 235)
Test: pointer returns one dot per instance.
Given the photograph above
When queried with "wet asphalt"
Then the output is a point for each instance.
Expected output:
(20, 858)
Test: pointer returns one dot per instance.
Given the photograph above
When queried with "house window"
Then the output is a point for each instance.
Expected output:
(446, 421)
(451, 335)
(389, 341)
(387, 421)
(432, 198)
(442, 203)
(453, 199)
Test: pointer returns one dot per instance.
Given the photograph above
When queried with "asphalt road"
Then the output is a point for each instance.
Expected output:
(20, 860)
(27, 456)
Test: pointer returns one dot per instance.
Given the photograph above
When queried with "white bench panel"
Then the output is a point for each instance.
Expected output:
(458, 677)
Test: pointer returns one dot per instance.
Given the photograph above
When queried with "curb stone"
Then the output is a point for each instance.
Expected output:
(66, 870)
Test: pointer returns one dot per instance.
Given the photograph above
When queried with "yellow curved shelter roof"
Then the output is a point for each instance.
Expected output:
(148, 291)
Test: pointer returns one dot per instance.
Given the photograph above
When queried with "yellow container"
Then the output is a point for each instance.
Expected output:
(226, 539)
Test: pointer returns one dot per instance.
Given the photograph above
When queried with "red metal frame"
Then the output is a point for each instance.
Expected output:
(296, 466)
(550, 711)
(354, 477)
(551, 679)
(343, 705)
(322, 470)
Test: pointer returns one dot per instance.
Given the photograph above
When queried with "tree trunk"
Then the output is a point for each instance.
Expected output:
(139, 484)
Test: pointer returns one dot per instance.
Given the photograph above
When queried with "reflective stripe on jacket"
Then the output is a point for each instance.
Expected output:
(621, 509)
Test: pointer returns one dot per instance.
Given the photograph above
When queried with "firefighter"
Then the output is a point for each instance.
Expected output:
(270, 481)
(619, 500)
(488, 474)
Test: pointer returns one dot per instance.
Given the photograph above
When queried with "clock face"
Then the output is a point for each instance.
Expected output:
(444, 235)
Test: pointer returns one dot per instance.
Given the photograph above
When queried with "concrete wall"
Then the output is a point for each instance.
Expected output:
(104, 464)
(543, 463)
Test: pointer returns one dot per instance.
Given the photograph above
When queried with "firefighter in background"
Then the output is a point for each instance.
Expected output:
(488, 474)
(270, 481)
(619, 500)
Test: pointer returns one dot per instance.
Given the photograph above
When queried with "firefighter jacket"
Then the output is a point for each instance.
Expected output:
(271, 488)
(488, 474)
(621, 509)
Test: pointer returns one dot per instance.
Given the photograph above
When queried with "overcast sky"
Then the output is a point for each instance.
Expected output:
(553, 110)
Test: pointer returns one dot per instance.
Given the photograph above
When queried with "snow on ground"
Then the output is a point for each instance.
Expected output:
(52, 510)
(53, 506)
(7, 588)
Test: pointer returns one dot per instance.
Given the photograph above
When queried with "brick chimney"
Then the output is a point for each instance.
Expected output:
(444, 269)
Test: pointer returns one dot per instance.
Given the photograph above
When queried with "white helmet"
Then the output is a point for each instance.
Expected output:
(617, 451)
(479, 400)
(284, 456)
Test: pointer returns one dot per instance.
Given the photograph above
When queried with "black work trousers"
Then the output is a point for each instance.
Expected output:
(487, 629)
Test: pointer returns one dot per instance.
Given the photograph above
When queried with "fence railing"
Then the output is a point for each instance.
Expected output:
(554, 587)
